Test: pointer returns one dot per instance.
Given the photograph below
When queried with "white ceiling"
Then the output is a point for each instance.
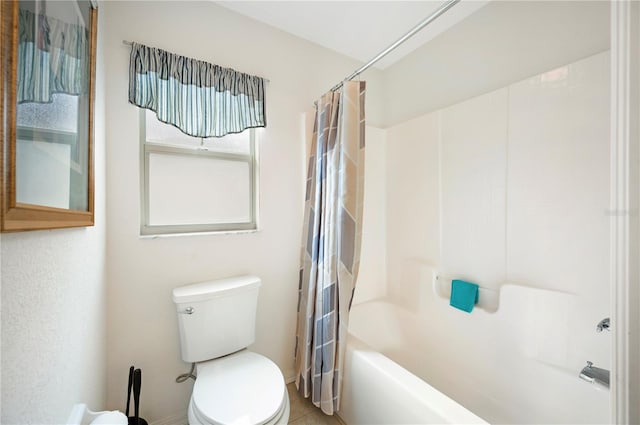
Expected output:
(358, 29)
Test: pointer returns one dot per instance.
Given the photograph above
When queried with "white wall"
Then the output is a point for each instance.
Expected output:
(142, 328)
(503, 42)
(54, 307)
(510, 190)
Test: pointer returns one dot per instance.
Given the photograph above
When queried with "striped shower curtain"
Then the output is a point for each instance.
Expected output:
(331, 244)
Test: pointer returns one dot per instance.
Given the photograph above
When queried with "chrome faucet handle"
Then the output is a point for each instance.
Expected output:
(603, 325)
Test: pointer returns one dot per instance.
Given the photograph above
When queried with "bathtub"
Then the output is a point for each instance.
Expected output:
(378, 390)
(517, 365)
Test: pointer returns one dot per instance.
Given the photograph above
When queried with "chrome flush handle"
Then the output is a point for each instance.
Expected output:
(188, 310)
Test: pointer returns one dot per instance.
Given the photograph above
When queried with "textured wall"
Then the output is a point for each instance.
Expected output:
(54, 308)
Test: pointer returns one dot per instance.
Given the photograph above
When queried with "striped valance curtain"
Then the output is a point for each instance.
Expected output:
(199, 98)
(52, 57)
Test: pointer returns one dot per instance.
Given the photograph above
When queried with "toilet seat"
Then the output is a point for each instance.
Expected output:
(241, 388)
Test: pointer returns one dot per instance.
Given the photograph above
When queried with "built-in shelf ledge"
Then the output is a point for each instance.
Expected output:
(488, 299)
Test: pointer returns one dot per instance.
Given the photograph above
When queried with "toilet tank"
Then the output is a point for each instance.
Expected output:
(217, 317)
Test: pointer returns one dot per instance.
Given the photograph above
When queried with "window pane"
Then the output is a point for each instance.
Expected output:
(191, 189)
(61, 114)
(166, 134)
(232, 143)
(49, 183)
(159, 132)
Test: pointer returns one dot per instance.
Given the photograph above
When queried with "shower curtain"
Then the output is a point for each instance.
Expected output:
(331, 243)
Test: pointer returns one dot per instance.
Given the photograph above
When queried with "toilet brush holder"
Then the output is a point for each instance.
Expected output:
(135, 380)
(137, 421)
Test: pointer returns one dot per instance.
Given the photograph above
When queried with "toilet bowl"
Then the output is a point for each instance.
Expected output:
(241, 388)
(234, 386)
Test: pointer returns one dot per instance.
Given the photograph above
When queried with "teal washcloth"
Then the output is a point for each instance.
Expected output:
(464, 295)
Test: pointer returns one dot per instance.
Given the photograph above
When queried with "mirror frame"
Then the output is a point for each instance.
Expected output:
(16, 216)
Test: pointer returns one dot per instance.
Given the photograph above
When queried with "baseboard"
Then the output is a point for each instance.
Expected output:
(178, 418)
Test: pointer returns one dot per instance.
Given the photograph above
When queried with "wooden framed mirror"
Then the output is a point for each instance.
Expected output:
(48, 56)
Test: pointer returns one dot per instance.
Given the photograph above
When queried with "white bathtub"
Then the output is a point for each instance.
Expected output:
(519, 365)
(377, 390)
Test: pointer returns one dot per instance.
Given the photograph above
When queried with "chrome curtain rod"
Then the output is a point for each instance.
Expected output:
(426, 21)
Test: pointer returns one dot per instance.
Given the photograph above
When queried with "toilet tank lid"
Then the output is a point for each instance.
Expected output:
(214, 288)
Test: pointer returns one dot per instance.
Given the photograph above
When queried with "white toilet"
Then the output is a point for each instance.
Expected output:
(234, 386)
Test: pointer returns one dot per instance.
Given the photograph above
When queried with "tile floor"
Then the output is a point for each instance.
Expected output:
(303, 412)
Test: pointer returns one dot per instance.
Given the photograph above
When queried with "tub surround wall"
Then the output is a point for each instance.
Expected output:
(513, 193)
(373, 262)
(472, 149)
(142, 325)
(54, 306)
(412, 203)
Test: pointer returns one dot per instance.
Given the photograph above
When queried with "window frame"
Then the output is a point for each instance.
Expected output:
(147, 148)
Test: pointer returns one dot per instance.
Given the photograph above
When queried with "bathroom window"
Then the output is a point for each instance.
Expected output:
(196, 185)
